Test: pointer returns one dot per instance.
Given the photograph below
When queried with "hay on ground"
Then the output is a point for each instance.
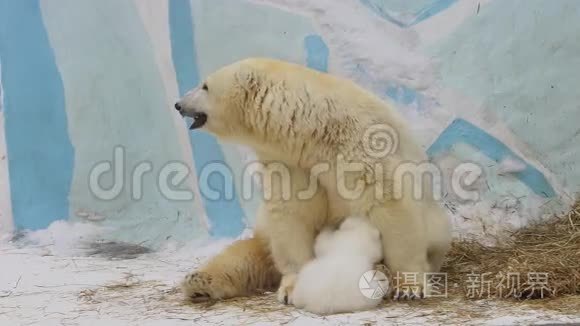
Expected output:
(538, 261)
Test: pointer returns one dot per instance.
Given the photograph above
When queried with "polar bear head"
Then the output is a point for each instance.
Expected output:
(217, 105)
(293, 113)
(241, 101)
(279, 106)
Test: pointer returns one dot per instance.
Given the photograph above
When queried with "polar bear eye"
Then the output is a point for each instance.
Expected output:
(204, 87)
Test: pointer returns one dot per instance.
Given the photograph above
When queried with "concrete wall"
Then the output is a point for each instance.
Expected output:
(490, 82)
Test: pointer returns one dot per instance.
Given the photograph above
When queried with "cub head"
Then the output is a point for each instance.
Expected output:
(363, 237)
(360, 224)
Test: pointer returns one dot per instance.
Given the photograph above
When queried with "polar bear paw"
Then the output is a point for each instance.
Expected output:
(286, 288)
(197, 286)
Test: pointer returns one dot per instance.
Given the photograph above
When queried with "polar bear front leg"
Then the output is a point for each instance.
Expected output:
(404, 249)
(292, 246)
(290, 217)
(286, 289)
(291, 227)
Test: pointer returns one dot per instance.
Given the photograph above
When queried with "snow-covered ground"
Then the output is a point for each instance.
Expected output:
(48, 282)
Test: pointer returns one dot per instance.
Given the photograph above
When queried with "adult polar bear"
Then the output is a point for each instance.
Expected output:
(321, 128)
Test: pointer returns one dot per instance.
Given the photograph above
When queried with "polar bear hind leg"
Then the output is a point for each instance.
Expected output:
(244, 268)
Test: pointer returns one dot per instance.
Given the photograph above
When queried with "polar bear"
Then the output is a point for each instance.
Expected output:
(330, 283)
(331, 135)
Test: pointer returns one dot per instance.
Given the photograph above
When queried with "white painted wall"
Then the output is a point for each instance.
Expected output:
(6, 220)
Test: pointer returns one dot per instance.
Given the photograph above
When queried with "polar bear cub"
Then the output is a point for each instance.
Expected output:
(329, 283)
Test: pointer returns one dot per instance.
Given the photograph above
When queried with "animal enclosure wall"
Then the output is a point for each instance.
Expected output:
(88, 133)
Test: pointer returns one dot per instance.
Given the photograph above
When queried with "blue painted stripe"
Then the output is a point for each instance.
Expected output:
(432, 10)
(40, 154)
(316, 53)
(1, 99)
(461, 131)
(225, 215)
(404, 95)
(423, 14)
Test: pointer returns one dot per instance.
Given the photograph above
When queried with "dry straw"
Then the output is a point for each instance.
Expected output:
(538, 261)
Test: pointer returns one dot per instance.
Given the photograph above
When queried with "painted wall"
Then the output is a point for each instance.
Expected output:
(84, 83)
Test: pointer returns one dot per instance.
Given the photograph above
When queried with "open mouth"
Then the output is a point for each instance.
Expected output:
(199, 119)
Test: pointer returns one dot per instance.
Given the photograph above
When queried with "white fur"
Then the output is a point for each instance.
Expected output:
(330, 283)
(305, 120)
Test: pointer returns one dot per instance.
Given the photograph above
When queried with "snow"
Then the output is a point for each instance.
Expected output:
(49, 278)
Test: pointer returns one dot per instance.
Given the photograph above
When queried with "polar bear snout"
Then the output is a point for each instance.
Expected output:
(179, 108)
(199, 118)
